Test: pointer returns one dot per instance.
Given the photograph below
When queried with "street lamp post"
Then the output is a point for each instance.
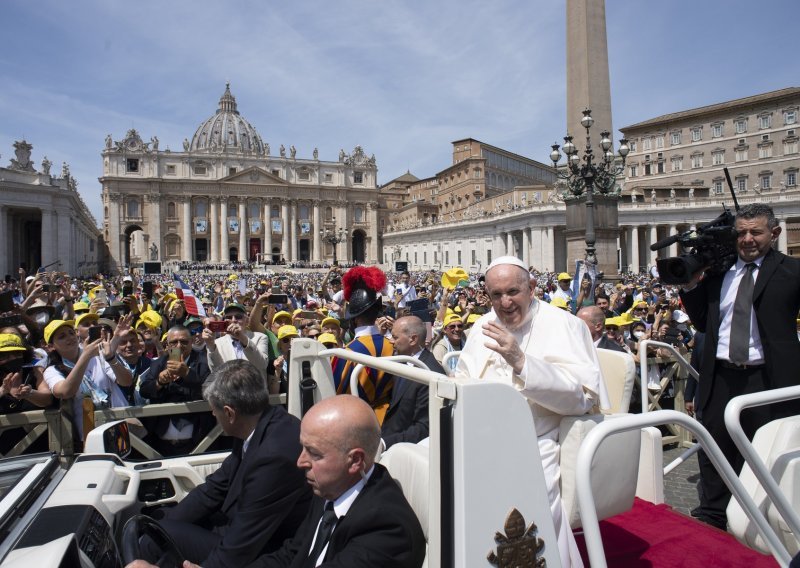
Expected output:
(591, 175)
(333, 237)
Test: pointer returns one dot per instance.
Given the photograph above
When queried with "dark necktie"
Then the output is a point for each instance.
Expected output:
(323, 534)
(739, 350)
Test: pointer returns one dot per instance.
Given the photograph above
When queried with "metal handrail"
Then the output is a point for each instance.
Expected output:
(446, 359)
(590, 445)
(399, 358)
(643, 366)
(733, 412)
(400, 369)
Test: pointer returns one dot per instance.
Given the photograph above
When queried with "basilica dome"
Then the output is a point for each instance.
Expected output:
(227, 131)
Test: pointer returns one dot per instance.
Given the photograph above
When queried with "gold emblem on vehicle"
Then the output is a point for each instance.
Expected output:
(519, 547)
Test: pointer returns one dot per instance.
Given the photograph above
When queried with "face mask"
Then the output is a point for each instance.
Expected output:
(638, 334)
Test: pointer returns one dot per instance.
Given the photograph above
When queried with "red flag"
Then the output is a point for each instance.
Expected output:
(193, 305)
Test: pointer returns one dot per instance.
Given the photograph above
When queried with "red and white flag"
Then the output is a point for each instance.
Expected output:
(193, 305)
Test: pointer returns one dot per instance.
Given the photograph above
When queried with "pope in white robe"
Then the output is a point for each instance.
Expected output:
(545, 353)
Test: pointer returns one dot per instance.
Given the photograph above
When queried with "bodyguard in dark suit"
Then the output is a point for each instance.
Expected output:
(751, 345)
(258, 497)
(595, 319)
(177, 381)
(359, 517)
(407, 416)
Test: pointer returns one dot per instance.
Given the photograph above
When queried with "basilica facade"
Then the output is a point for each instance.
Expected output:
(228, 196)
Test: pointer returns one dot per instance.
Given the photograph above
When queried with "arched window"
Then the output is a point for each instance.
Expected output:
(358, 214)
(171, 210)
(200, 208)
(132, 208)
(303, 213)
(328, 214)
(253, 210)
(275, 213)
(232, 210)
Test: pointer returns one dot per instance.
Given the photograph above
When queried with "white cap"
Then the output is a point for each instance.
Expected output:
(679, 316)
(127, 279)
(29, 279)
(513, 260)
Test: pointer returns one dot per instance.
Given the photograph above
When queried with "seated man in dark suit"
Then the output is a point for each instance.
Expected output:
(258, 497)
(367, 520)
(176, 380)
(407, 416)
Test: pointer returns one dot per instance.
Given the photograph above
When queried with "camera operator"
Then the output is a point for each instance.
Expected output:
(748, 314)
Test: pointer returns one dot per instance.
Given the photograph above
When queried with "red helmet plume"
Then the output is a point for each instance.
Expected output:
(369, 278)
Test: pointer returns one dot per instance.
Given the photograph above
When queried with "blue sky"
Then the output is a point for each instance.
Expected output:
(402, 79)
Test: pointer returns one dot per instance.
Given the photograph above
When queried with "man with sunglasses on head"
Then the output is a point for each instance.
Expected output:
(237, 342)
(177, 379)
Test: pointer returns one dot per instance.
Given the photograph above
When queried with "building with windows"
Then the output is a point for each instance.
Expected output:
(225, 197)
(44, 222)
(674, 181)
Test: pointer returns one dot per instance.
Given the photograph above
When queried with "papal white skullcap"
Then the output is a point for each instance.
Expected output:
(513, 260)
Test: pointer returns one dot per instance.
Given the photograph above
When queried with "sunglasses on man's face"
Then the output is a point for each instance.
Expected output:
(236, 316)
(454, 327)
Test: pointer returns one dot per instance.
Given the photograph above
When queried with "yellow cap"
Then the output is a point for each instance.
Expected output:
(150, 319)
(287, 331)
(80, 306)
(451, 278)
(559, 302)
(472, 318)
(331, 321)
(564, 276)
(54, 326)
(452, 318)
(87, 316)
(326, 338)
(296, 312)
(11, 342)
(281, 314)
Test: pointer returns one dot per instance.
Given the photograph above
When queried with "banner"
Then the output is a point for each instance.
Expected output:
(305, 228)
(200, 226)
(277, 226)
(233, 225)
(255, 226)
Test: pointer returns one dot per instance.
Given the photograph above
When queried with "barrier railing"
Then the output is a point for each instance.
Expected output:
(57, 423)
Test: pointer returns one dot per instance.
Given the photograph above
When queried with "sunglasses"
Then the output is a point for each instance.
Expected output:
(287, 339)
(176, 342)
(234, 316)
(453, 327)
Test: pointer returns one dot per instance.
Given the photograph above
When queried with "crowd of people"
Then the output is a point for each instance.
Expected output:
(125, 340)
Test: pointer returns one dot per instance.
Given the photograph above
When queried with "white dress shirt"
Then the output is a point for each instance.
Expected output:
(727, 297)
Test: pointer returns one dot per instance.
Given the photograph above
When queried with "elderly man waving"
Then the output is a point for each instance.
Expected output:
(545, 353)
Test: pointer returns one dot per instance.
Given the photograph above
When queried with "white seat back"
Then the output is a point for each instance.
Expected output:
(619, 373)
(778, 445)
(408, 464)
(305, 350)
(615, 468)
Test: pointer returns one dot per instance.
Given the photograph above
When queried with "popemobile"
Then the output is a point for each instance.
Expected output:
(476, 484)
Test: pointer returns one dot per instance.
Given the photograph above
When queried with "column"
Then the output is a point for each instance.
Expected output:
(5, 258)
(633, 248)
(48, 250)
(510, 243)
(653, 238)
(342, 222)
(536, 248)
(285, 222)
(225, 247)
(673, 248)
(63, 240)
(187, 228)
(267, 230)
(497, 246)
(548, 249)
(113, 231)
(293, 230)
(526, 246)
(783, 242)
(214, 223)
(154, 225)
(315, 229)
(244, 250)
(372, 209)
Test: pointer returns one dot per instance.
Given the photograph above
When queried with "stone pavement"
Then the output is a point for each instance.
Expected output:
(680, 485)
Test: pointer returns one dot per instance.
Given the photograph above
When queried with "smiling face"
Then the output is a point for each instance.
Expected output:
(754, 237)
(65, 341)
(510, 293)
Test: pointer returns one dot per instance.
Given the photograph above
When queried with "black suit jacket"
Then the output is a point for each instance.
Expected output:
(379, 530)
(406, 418)
(606, 343)
(183, 390)
(776, 300)
(263, 497)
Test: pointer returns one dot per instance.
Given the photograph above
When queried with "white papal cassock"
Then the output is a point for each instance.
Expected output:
(561, 377)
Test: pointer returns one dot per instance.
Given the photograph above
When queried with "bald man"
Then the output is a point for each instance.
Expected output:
(595, 319)
(547, 355)
(372, 523)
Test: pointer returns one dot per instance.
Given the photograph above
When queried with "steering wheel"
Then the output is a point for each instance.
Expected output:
(142, 525)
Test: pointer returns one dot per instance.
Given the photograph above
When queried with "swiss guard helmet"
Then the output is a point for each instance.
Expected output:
(362, 289)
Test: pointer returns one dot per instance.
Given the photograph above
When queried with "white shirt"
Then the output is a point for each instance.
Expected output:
(407, 292)
(727, 297)
(341, 506)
